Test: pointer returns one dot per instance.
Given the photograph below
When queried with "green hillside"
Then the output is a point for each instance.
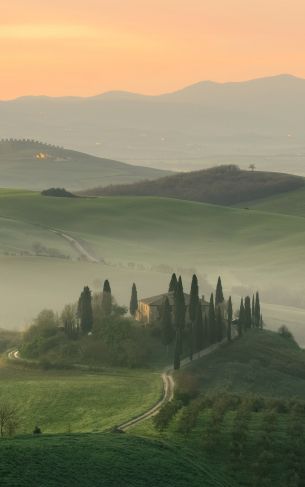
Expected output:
(248, 420)
(292, 203)
(61, 401)
(100, 459)
(260, 363)
(143, 240)
(34, 165)
(222, 185)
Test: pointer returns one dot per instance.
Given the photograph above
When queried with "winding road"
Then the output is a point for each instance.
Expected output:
(168, 385)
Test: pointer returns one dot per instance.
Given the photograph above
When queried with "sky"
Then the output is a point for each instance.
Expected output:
(86, 47)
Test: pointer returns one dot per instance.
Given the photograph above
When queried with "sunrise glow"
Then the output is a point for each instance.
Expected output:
(85, 48)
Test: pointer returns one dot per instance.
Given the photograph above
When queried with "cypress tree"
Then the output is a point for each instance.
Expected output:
(85, 310)
(194, 298)
(219, 325)
(199, 332)
(257, 311)
(241, 319)
(133, 307)
(179, 306)
(230, 317)
(173, 284)
(212, 321)
(219, 293)
(106, 299)
(253, 311)
(179, 318)
(248, 314)
(167, 331)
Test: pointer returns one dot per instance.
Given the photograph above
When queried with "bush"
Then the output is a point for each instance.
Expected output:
(187, 387)
(286, 333)
(166, 414)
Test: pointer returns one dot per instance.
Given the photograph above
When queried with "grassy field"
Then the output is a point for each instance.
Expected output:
(61, 401)
(101, 459)
(261, 362)
(250, 249)
(292, 203)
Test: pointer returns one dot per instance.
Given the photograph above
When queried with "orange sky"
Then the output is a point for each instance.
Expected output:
(85, 47)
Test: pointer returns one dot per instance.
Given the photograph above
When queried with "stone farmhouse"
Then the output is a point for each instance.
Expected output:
(149, 309)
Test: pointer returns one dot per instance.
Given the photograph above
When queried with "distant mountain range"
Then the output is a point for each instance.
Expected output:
(260, 121)
(28, 164)
(223, 185)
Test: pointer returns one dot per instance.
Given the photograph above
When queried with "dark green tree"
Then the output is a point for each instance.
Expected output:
(167, 330)
(179, 320)
(253, 311)
(133, 307)
(85, 310)
(219, 293)
(230, 318)
(257, 311)
(248, 314)
(219, 324)
(212, 321)
(241, 318)
(106, 299)
(173, 284)
(199, 330)
(194, 298)
(179, 306)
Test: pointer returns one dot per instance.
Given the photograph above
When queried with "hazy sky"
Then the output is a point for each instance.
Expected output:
(85, 47)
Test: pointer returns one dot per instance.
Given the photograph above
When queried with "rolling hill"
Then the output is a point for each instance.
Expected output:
(142, 240)
(199, 126)
(223, 185)
(28, 164)
(101, 459)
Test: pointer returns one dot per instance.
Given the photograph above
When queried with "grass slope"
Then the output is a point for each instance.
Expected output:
(20, 168)
(61, 401)
(224, 185)
(287, 204)
(108, 460)
(261, 362)
(249, 421)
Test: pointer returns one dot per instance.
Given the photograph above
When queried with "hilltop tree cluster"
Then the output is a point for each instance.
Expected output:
(198, 325)
(194, 326)
(187, 325)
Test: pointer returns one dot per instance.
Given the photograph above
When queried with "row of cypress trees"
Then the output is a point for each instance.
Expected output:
(250, 315)
(198, 331)
(194, 330)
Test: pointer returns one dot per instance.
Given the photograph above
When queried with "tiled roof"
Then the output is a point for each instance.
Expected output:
(158, 300)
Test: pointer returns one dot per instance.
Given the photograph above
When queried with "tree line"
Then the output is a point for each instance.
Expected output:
(195, 327)
(186, 323)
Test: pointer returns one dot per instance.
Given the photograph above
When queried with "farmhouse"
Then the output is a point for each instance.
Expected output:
(149, 309)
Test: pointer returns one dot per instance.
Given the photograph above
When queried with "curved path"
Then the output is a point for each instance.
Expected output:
(168, 385)
(84, 253)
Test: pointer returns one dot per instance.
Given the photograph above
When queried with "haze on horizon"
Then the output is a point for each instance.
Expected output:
(82, 48)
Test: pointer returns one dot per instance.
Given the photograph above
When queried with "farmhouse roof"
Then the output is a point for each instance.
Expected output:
(159, 299)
